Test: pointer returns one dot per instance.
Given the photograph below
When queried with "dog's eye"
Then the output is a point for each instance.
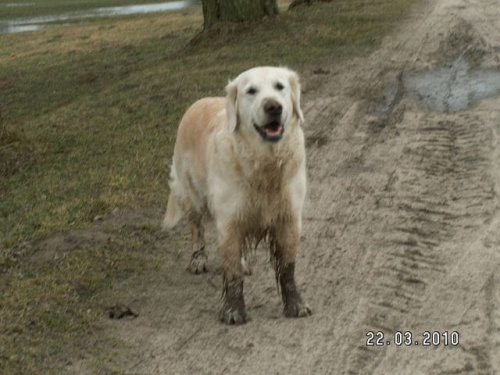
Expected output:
(279, 86)
(252, 91)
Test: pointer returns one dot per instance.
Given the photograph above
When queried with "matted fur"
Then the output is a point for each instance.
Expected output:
(224, 169)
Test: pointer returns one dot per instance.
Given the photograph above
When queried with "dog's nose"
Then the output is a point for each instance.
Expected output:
(273, 108)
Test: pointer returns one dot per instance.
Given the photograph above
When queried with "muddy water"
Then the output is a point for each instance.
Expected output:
(41, 22)
(454, 87)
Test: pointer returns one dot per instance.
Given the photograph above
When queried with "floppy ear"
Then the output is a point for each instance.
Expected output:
(295, 87)
(232, 106)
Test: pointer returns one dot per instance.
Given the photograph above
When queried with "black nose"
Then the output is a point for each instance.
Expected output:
(273, 108)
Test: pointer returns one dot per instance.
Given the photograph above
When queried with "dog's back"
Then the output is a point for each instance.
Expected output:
(188, 175)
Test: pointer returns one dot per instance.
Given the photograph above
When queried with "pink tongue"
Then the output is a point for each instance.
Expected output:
(273, 130)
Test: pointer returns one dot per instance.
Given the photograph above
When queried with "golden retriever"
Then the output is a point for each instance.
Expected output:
(241, 161)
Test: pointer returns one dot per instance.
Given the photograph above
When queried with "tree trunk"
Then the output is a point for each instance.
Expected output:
(236, 10)
(296, 3)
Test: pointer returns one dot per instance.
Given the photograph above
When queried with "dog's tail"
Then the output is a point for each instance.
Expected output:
(174, 212)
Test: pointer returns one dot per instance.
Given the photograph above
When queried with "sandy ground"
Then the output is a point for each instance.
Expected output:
(401, 228)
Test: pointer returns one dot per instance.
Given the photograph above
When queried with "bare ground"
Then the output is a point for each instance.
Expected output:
(401, 230)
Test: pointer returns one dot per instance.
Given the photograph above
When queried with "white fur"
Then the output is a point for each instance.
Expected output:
(224, 168)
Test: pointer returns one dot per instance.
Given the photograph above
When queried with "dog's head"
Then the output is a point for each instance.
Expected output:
(264, 99)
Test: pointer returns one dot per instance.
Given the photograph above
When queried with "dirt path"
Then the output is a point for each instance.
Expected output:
(401, 229)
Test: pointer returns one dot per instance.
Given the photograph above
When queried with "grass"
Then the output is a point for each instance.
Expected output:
(88, 121)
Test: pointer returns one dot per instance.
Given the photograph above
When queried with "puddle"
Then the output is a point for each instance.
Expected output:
(11, 5)
(21, 28)
(454, 87)
(38, 23)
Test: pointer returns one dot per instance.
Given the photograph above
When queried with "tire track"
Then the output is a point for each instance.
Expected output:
(435, 205)
(440, 187)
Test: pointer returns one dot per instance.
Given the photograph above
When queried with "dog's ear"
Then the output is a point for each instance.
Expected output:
(295, 88)
(232, 105)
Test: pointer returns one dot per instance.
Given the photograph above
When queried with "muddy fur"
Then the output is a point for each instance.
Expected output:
(240, 160)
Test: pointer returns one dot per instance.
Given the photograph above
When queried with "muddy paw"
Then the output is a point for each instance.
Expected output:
(229, 315)
(297, 309)
(198, 262)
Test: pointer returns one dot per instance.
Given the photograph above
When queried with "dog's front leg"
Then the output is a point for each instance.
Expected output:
(233, 309)
(284, 246)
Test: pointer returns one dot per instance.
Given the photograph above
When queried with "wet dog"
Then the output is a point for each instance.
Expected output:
(241, 161)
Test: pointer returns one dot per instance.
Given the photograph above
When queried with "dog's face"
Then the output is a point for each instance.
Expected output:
(264, 100)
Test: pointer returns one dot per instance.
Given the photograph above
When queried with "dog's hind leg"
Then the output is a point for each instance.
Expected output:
(284, 245)
(199, 258)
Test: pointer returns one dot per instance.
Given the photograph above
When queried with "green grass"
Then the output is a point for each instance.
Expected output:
(89, 117)
(49, 307)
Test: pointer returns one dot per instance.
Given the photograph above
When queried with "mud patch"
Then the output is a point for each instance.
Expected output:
(136, 224)
(317, 140)
(59, 244)
(463, 40)
(388, 98)
(120, 311)
(454, 87)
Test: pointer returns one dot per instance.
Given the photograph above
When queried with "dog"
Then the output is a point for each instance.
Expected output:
(240, 160)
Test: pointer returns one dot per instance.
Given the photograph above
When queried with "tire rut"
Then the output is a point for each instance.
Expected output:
(440, 187)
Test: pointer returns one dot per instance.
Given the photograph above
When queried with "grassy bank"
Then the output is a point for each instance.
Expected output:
(89, 116)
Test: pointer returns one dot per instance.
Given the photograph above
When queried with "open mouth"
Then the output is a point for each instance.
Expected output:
(272, 131)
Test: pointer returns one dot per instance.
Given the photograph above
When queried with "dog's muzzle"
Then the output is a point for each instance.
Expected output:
(272, 131)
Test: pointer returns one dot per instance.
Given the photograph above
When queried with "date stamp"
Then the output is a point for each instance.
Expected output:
(408, 338)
